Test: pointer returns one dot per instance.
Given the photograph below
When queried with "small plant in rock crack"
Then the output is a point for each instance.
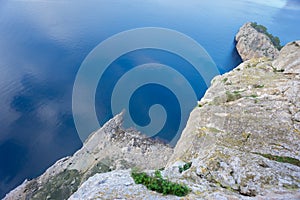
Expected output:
(185, 167)
(158, 184)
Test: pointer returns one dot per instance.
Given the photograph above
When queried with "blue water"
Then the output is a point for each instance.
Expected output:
(43, 43)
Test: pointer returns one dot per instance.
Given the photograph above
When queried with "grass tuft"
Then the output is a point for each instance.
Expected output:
(158, 184)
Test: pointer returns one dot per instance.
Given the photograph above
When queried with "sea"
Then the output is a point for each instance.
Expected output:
(160, 57)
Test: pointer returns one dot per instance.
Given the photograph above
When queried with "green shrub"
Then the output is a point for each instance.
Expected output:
(158, 184)
(262, 29)
(185, 167)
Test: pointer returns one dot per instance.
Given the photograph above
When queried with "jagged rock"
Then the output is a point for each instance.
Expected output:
(253, 44)
(246, 118)
(107, 149)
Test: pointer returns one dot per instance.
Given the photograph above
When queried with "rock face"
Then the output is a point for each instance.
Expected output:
(288, 60)
(110, 148)
(247, 118)
(253, 44)
(242, 140)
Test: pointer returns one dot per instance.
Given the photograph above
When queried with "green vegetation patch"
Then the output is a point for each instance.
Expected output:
(158, 184)
(224, 80)
(185, 167)
(262, 29)
(102, 166)
(59, 187)
(282, 159)
(232, 96)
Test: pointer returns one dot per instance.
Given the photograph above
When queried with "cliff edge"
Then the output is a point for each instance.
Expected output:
(240, 142)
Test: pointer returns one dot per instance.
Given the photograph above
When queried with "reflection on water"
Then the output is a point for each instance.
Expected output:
(42, 45)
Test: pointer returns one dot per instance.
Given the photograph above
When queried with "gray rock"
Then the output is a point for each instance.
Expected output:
(253, 44)
(115, 185)
(247, 118)
(288, 60)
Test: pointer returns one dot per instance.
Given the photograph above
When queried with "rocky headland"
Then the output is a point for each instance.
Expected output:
(240, 142)
(253, 44)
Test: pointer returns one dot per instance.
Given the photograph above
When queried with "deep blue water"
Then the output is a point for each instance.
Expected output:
(44, 42)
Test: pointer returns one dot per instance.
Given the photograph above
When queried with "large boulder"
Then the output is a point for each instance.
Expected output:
(288, 60)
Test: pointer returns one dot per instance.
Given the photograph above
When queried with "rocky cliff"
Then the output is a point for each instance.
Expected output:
(241, 142)
(110, 148)
(254, 44)
(244, 137)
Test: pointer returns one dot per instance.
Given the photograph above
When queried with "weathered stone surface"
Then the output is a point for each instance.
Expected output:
(252, 44)
(289, 58)
(115, 185)
(109, 148)
(250, 111)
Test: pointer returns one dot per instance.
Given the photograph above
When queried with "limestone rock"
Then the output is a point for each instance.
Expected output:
(288, 60)
(115, 185)
(253, 44)
(247, 119)
(107, 149)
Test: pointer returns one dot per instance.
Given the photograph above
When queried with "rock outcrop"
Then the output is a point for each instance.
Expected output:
(245, 134)
(253, 44)
(242, 140)
(288, 60)
(109, 148)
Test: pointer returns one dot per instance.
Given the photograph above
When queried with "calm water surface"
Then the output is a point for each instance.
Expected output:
(43, 43)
